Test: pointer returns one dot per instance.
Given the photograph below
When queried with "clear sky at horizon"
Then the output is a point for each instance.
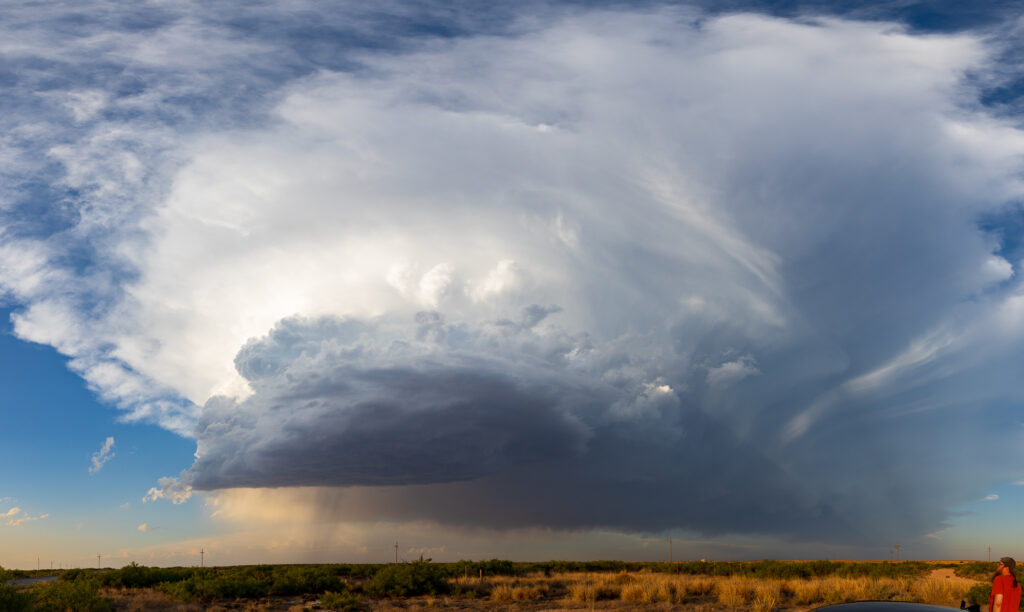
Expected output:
(536, 280)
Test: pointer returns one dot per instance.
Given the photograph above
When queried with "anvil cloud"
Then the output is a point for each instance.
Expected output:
(629, 269)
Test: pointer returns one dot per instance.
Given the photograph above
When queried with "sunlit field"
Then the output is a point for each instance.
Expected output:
(760, 586)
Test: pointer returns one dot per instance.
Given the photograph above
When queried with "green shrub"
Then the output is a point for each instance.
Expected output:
(207, 586)
(136, 576)
(458, 590)
(71, 575)
(178, 590)
(296, 580)
(80, 595)
(13, 601)
(409, 579)
(976, 570)
(979, 594)
(341, 602)
(354, 570)
(236, 587)
(10, 599)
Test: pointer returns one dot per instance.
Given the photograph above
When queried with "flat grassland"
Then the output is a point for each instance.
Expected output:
(761, 586)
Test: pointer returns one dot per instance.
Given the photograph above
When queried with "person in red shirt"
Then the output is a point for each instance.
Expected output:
(1005, 589)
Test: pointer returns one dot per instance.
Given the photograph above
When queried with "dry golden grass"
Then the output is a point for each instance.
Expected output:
(588, 588)
(529, 593)
(806, 592)
(607, 588)
(731, 593)
(582, 592)
(935, 591)
(515, 589)
(700, 586)
(501, 592)
(838, 590)
(650, 588)
(140, 600)
(768, 594)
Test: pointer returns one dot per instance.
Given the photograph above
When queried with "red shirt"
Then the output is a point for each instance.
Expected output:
(1011, 594)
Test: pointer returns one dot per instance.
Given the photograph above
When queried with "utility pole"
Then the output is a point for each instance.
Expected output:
(98, 561)
(396, 551)
(201, 553)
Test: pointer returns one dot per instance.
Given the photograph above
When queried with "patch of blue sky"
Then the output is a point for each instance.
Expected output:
(43, 208)
(1007, 228)
(52, 424)
(1006, 97)
(991, 520)
(928, 16)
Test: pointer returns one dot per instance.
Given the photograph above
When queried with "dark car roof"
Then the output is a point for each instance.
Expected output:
(883, 606)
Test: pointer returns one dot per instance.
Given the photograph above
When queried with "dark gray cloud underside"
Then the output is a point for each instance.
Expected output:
(423, 426)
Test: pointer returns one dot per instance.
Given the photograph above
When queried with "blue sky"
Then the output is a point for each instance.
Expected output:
(541, 280)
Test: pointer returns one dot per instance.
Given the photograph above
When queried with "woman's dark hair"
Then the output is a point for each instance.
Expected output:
(1010, 564)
